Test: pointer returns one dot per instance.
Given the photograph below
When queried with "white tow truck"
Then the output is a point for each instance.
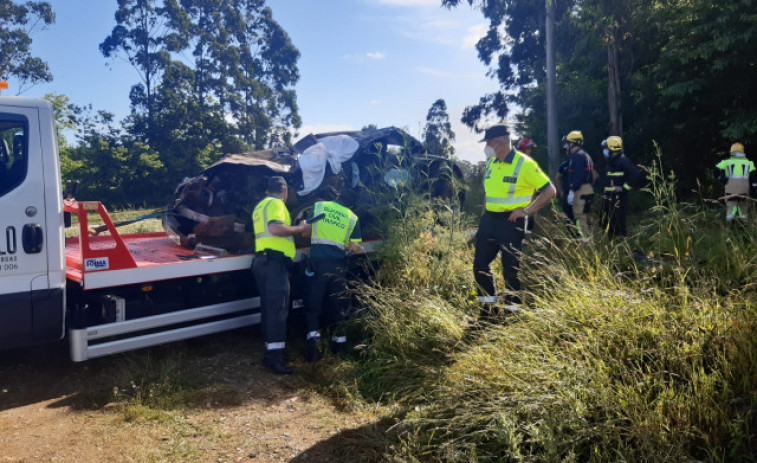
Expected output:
(109, 293)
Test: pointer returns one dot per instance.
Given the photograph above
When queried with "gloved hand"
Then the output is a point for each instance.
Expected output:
(571, 197)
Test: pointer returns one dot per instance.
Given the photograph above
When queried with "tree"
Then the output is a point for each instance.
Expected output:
(673, 71)
(705, 98)
(244, 62)
(265, 103)
(17, 24)
(139, 36)
(111, 171)
(217, 77)
(438, 135)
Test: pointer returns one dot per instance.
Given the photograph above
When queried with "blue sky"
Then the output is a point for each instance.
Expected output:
(362, 62)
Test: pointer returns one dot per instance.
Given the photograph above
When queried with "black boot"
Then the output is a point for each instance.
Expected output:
(313, 355)
(274, 361)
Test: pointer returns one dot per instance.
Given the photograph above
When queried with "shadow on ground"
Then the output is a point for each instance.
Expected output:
(212, 369)
(366, 444)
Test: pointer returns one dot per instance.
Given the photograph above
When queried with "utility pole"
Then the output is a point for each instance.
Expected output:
(553, 138)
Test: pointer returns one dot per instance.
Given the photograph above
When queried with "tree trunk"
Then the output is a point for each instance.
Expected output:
(553, 138)
(613, 87)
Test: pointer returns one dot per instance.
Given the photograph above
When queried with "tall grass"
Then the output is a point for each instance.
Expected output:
(636, 350)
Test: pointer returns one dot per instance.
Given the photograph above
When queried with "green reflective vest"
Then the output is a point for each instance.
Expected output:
(736, 167)
(267, 210)
(336, 227)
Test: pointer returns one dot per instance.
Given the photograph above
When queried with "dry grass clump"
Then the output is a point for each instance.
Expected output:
(635, 350)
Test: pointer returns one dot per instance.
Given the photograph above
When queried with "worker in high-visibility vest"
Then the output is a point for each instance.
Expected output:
(332, 239)
(735, 173)
(274, 252)
(510, 180)
(621, 176)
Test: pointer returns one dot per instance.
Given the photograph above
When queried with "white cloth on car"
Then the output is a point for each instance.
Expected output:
(333, 150)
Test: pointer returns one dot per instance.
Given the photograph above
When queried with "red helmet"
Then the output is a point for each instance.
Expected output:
(525, 144)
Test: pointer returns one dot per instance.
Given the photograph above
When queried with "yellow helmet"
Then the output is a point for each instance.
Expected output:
(737, 148)
(615, 143)
(575, 137)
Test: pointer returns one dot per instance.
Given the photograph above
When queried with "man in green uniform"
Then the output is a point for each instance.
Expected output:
(735, 172)
(332, 239)
(510, 180)
(274, 251)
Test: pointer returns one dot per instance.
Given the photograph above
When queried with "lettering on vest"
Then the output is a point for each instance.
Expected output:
(334, 222)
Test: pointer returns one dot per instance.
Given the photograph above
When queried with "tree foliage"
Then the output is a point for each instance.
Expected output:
(437, 134)
(18, 22)
(673, 71)
(139, 37)
(111, 168)
(215, 77)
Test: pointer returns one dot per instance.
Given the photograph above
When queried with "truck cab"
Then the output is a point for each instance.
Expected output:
(32, 268)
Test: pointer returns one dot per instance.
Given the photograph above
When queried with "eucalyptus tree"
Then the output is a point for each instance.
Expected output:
(437, 134)
(18, 22)
(266, 105)
(244, 62)
(139, 37)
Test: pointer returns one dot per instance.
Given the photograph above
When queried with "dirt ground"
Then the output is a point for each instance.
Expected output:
(54, 410)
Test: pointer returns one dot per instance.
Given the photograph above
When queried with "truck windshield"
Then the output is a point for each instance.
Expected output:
(13, 152)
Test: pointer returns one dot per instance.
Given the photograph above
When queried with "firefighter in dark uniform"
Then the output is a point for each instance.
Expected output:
(510, 180)
(332, 239)
(561, 184)
(622, 176)
(580, 180)
(274, 251)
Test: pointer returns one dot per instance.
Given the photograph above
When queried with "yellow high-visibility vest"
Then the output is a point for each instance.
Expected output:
(267, 210)
(336, 227)
(511, 183)
(736, 167)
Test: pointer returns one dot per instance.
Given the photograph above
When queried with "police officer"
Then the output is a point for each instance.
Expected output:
(331, 239)
(735, 172)
(274, 251)
(622, 175)
(580, 179)
(510, 180)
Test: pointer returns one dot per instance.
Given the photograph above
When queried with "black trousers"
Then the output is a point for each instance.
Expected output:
(613, 218)
(496, 234)
(272, 279)
(325, 294)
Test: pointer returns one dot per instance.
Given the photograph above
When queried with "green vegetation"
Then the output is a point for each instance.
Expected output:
(639, 350)
(636, 350)
(120, 215)
(674, 71)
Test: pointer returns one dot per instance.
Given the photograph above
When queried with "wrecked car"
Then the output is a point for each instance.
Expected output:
(214, 208)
